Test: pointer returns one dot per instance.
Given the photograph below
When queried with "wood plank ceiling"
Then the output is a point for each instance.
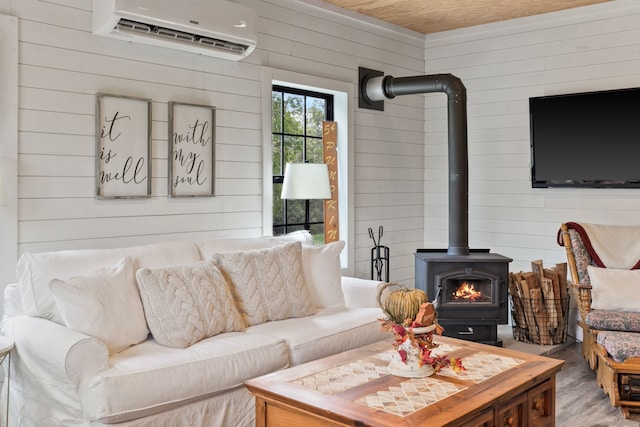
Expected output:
(430, 16)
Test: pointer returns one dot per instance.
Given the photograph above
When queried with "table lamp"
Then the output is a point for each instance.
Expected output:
(306, 181)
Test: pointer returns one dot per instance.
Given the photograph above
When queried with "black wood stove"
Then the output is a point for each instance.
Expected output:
(469, 291)
(469, 287)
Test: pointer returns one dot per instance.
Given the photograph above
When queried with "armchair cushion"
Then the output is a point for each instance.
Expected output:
(581, 256)
(620, 345)
(604, 320)
(614, 289)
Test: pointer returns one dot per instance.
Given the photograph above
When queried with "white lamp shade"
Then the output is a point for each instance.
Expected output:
(306, 181)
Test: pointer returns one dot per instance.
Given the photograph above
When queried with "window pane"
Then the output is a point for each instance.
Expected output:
(276, 147)
(316, 210)
(297, 137)
(293, 146)
(295, 211)
(315, 116)
(276, 111)
(293, 114)
(317, 230)
(314, 150)
(278, 205)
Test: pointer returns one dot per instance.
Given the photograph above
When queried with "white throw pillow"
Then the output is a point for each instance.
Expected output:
(268, 284)
(323, 274)
(614, 289)
(210, 248)
(104, 304)
(187, 303)
(36, 270)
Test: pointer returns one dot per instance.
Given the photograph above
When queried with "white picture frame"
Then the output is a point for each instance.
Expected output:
(123, 146)
(191, 150)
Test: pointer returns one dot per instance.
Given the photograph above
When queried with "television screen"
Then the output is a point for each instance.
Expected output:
(586, 139)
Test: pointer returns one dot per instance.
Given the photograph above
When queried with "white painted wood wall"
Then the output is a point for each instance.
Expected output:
(400, 183)
(62, 65)
(502, 65)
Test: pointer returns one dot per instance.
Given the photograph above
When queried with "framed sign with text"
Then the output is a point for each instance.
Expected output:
(191, 150)
(123, 148)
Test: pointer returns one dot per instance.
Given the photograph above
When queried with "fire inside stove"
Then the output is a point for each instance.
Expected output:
(469, 291)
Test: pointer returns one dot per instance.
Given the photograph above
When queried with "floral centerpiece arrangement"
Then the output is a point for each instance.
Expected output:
(413, 321)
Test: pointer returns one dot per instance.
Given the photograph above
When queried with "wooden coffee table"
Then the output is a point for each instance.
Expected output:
(499, 387)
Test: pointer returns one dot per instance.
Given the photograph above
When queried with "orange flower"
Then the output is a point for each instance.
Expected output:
(456, 365)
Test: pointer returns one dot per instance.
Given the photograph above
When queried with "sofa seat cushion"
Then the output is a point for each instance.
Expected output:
(149, 378)
(620, 345)
(330, 331)
(605, 320)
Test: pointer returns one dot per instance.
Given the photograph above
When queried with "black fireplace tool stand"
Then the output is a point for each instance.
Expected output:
(379, 258)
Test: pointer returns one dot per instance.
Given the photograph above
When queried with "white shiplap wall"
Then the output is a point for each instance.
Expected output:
(8, 145)
(388, 146)
(62, 65)
(502, 65)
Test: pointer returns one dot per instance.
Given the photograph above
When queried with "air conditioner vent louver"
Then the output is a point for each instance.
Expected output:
(172, 34)
(219, 28)
(124, 24)
(221, 44)
(127, 25)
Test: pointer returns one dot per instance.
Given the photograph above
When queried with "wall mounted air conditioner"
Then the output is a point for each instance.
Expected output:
(217, 28)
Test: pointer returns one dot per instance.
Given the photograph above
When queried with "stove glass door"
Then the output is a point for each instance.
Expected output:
(467, 290)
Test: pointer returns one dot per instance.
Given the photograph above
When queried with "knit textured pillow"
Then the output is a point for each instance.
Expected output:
(185, 304)
(268, 284)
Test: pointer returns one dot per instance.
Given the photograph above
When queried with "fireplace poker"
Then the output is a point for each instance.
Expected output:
(379, 256)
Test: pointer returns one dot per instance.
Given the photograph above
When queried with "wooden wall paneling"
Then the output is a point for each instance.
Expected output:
(96, 228)
(63, 65)
(503, 65)
(38, 209)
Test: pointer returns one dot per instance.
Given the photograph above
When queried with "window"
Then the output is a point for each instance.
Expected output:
(344, 101)
(296, 126)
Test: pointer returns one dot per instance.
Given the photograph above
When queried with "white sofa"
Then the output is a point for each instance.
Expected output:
(84, 356)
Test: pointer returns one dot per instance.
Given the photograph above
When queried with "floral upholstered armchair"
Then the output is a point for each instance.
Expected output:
(604, 263)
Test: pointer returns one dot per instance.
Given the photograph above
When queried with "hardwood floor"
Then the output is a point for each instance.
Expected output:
(579, 400)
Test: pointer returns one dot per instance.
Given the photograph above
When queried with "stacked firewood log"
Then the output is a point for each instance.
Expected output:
(540, 304)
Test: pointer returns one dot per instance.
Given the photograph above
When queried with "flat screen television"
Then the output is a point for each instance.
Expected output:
(587, 139)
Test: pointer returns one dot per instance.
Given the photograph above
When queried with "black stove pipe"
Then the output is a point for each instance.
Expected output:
(378, 88)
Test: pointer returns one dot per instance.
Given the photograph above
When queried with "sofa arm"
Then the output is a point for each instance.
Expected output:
(582, 293)
(54, 351)
(360, 292)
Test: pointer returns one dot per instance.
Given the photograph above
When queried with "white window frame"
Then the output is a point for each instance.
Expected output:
(344, 101)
